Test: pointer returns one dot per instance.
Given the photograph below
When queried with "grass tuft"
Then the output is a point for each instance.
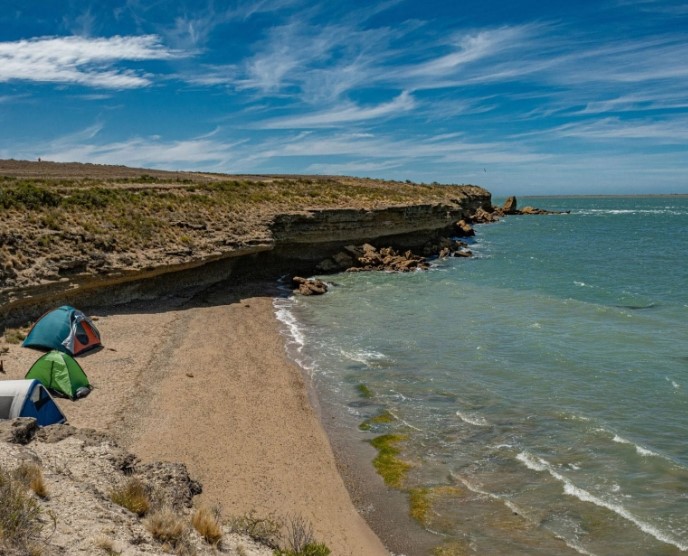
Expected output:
(166, 527)
(107, 545)
(207, 523)
(31, 476)
(132, 495)
(20, 517)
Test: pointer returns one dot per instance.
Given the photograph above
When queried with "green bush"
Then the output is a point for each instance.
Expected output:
(28, 196)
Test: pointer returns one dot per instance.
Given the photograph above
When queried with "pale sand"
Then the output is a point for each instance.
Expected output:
(206, 382)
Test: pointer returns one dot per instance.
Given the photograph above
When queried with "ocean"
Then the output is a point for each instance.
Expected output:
(540, 387)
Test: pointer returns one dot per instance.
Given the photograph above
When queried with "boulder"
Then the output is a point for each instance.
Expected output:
(464, 229)
(309, 286)
(510, 206)
(18, 431)
(481, 216)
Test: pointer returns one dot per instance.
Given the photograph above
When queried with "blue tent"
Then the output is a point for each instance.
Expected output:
(28, 398)
(65, 329)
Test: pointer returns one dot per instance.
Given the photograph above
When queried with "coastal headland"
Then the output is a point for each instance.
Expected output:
(180, 271)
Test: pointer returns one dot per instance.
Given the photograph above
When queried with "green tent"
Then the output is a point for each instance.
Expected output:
(61, 374)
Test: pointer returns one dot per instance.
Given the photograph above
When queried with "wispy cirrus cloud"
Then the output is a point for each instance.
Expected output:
(151, 151)
(346, 113)
(80, 60)
(674, 131)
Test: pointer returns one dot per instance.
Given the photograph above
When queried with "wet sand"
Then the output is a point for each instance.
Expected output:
(205, 381)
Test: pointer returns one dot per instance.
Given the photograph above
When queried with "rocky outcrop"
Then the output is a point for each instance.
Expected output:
(464, 229)
(309, 286)
(18, 431)
(367, 257)
(510, 206)
(492, 214)
(291, 242)
(75, 512)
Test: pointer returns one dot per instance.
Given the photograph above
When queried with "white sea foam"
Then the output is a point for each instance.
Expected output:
(286, 317)
(629, 211)
(645, 452)
(639, 449)
(517, 510)
(619, 439)
(675, 384)
(538, 464)
(476, 420)
(574, 417)
(363, 356)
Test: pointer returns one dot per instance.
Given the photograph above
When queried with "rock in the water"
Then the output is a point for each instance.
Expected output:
(309, 286)
(510, 205)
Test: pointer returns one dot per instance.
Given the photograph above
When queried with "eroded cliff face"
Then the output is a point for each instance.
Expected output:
(313, 235)
(287, 242)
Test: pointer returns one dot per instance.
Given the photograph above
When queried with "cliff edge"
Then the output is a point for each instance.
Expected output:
(72, 230)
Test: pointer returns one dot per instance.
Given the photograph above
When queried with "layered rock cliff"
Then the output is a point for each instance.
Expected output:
(116, 234)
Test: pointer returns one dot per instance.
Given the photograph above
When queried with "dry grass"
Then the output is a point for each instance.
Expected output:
(207, 523)
(107, 545)
(20, 518)
(300, 539)
(31, 476)
(132, 495)
(14, 335)
(265, 530)
(170, 530)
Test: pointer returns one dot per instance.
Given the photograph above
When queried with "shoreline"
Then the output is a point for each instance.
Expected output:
(204, 379)
(385, 509)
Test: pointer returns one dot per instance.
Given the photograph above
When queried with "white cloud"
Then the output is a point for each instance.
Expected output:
(660, 131)
(80, 60)
(344, 114)
(145, 152)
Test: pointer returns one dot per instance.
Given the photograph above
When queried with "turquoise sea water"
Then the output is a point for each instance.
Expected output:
(542, 384)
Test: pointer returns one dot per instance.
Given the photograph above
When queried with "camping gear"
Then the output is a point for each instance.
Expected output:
(65, 329)
(28, 398)
(61, 374)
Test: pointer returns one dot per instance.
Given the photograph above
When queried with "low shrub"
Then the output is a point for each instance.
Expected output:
(14, 335)
(265, 530)
(301, 540)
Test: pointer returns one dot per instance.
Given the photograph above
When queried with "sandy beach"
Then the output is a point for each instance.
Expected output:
(204, 380)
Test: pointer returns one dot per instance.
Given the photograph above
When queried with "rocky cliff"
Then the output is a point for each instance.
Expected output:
(116, 234)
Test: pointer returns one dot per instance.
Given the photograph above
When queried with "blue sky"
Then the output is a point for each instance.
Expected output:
(521, 97)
